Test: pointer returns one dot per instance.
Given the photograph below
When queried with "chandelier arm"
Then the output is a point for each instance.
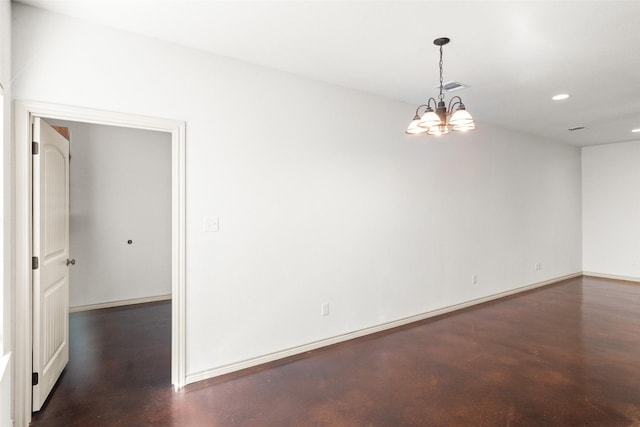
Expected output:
(453, 104)
(420, 106)
(427, 105)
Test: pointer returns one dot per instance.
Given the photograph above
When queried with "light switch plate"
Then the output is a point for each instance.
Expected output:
(324, 309)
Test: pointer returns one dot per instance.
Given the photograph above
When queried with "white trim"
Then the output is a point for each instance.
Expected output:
(367, 331)
(4, 364)
(24, 111)
(5, 389)
(120, 303)
(611, 276)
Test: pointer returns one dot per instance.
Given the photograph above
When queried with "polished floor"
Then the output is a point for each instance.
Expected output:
(563, 355)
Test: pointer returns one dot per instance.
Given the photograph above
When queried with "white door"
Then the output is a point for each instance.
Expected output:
(51, 252)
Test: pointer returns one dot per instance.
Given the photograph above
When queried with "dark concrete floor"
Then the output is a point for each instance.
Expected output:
(564, 355)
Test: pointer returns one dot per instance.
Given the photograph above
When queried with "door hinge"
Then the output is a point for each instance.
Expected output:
(34, 148)
(35, 263)
(34, 378)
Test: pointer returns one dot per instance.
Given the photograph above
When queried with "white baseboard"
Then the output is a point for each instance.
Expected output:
(5, 390)
(119, 303)
(211, 373)
(611, 276)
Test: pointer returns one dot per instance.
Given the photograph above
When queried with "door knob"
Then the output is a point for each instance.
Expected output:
(71, 261)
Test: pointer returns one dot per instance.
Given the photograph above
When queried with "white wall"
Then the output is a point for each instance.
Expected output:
(321, 196)
(611, 209)
(6, 255)
(120, 190)
(5, 159)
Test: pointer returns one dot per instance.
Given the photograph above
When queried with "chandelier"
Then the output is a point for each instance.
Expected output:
(437, 119)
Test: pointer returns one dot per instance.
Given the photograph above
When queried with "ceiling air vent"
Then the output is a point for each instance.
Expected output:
(452, 86)
(576, 128)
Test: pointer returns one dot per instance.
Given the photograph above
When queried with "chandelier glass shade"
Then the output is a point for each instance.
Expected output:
(438, 118)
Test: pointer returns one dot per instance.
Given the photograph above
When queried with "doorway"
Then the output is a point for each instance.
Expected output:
(25, 113)
(120, 215)
(119, 239)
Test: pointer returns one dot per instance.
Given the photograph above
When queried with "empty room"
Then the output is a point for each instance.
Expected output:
(374, 213)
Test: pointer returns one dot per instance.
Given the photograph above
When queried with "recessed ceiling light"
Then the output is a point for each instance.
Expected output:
(560, 96)
(636, 130)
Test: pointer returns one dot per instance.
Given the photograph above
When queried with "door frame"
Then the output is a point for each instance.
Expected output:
(23, 339)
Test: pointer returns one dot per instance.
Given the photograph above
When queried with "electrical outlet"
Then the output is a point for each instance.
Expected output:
(211, 224)
(474, 279)
(538, 266)
(324, 310)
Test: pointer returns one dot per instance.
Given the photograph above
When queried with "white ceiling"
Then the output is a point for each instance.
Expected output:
(514, 55)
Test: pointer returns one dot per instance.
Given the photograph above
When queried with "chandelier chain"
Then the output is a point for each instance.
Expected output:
(441, 96)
